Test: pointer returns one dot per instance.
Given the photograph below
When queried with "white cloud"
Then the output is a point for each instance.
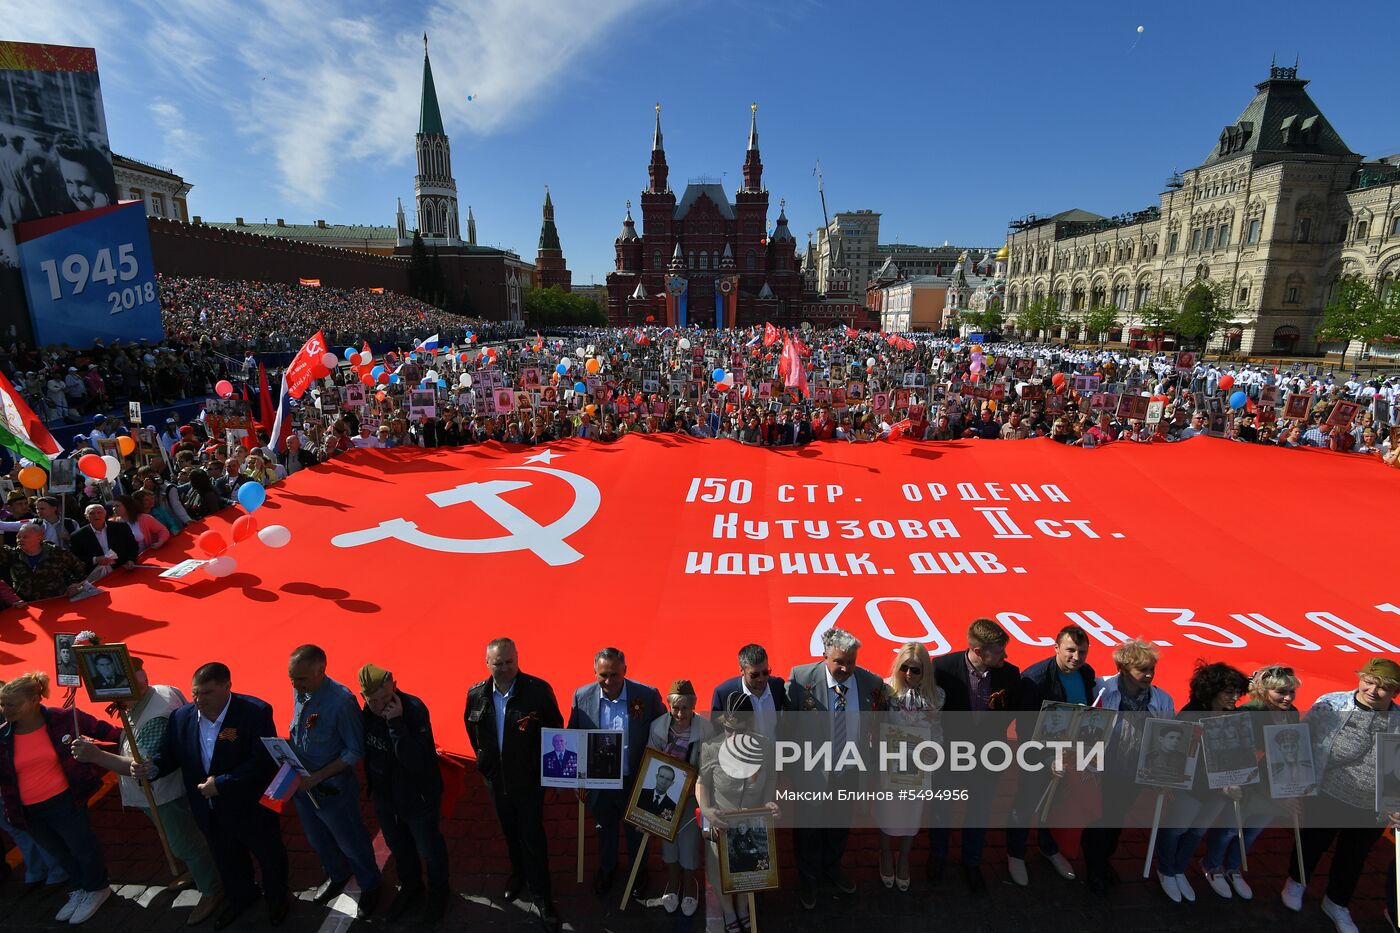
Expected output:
(178, 141)
(315, 85)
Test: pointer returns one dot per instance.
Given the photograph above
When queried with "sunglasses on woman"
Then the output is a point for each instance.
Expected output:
(911, 669)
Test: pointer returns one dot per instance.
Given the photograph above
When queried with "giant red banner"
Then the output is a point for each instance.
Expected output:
(679, 551)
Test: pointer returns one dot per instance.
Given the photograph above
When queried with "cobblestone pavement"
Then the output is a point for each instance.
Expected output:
(142, 903)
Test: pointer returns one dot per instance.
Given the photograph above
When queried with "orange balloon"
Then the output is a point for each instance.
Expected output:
(126, 445)
(32, 477)
(591, 409)
(593, 365)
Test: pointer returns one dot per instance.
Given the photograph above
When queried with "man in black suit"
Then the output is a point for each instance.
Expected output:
(612, 701)
(92, 543)
(977, 680)
(755, 680)
(560, 762)
(216, 743)
(504, 716)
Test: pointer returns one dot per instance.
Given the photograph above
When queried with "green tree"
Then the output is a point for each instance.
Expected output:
(1205, 310)
(1097, 321)
(554, 307)
(1159, 314)
(1040, 315)
(435, 292)
(1358, 312)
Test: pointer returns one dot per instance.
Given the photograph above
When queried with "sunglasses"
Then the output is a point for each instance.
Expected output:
(911, 669)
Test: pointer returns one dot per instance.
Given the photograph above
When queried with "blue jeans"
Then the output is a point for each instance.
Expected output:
(1175, 848)
(39, 866)
(338, 834)
(1223, 847)
(60, 826)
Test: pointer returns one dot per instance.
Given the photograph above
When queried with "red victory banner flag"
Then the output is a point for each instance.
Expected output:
(301, 371)
(866, 537)
(790, 366)
(771, 335)
(310, 283)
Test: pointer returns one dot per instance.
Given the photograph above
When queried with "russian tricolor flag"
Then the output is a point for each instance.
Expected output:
(283, 787)
(431, 344)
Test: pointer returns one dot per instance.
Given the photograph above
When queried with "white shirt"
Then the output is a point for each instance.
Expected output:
(852, 708)
(209, 734)
(765, 710)
(371, 441)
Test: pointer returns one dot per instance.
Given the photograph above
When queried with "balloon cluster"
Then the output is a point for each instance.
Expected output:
(251, 496)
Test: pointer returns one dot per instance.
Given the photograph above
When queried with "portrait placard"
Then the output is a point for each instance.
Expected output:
(1228, 743)
(1155, 411)
(1056, 721)
(658, 798)
(65, 661)
(903, 738)
(1185, 361)
(1297, 405)
(1288, 755)
(1168, 754)
(1268, 396)
(1387, 773)
(1094, 725)
(748, 852)
(1342, 414)
(283, 754)
(1218, 424)
(63, 475)
(107, 672)
(581, 758)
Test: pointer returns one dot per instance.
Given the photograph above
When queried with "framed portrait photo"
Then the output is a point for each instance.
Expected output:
(107, 672)
(65, 661)
(1228, 744)
(1342, 414)
(748, 852)
(1387, 773)
(1297, 405)
(559, 757)
(602, 759)
(1056, 721)
(1288, 756)
(659, 796)
(1168, 754)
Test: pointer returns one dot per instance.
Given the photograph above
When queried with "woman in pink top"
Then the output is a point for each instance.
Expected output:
(148, 531)
(45, 791)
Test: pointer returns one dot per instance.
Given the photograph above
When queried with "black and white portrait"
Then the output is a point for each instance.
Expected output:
(106, 671)
(559, 760)
(1387, 773)
(65, 661)
(604, 758)
(660, 796)
(1168, 756)
(1231, 756)
(1289, 759)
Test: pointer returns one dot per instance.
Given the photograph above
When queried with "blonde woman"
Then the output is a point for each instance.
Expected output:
(681, 734)
(915, 700)
(44, 790)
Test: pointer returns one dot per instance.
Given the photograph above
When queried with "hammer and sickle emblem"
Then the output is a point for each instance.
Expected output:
(524, 533)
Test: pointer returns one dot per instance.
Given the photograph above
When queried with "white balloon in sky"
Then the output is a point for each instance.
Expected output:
(1142, 29)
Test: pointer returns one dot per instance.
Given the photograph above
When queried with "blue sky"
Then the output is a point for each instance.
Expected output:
(948, 119)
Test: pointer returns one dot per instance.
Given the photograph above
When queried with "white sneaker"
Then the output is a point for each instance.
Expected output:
(689, 906)
(1217, 882)
(1292, 895)
(1062, 865)
(1017, 868)
(1242, 888)
(91, 901)
(669, 900)
(1170, 887)
(1188, 893)
(70, 905)
(1340, 916)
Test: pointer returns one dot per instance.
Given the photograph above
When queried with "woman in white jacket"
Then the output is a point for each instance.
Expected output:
(680, 734)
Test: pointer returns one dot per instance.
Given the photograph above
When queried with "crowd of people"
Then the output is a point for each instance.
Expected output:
(208, 769)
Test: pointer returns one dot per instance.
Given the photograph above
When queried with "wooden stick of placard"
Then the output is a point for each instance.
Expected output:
(1239, 831)
(1298, 849)
(753, 916)
(1152, 839)
(150, 795)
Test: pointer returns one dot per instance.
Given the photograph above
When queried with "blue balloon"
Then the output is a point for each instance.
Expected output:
(1237, 400)
(626, 357)
(394, 379)
(349, 352)
(251, 495)
(412, 356)
(442, 383)
(376, 371)
(719, 375)
(561, 369)
(580, 388)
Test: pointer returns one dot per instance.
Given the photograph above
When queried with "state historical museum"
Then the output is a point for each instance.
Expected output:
(704, 259)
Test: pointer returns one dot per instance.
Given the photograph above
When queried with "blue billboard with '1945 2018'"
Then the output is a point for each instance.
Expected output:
(88, 276)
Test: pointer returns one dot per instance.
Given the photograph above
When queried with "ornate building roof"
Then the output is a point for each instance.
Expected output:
(713, 190)
(429, 116)
(1281, 119)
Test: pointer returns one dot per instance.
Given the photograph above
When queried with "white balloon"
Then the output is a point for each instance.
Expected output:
(580, 352)
(870, 362)
(465, 380)
(591, 349)
(275, 535)
(1142, 29)
(114, 467)
(221, 566)
(684, 344)
(431, 375)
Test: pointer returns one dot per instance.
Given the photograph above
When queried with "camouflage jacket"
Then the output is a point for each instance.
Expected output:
(51, 576)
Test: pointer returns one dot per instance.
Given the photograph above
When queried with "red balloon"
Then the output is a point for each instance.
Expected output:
(92, 466)
(1226, 383)
(384, 379)
(465, 357)
(244, 528)
(1058, 379)
(353, 359)
(367, 379)
(211, 542)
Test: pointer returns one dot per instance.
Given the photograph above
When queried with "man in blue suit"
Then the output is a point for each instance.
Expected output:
(756, 681)
(216, 743)
(614, 702)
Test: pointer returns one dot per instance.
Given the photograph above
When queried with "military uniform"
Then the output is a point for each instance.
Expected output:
(50, 575)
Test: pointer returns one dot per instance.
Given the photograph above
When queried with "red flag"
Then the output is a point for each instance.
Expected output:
(898, 429)
(852, 332)
(299, 372)
(793, 372)
(770, 335)
(267, 411)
